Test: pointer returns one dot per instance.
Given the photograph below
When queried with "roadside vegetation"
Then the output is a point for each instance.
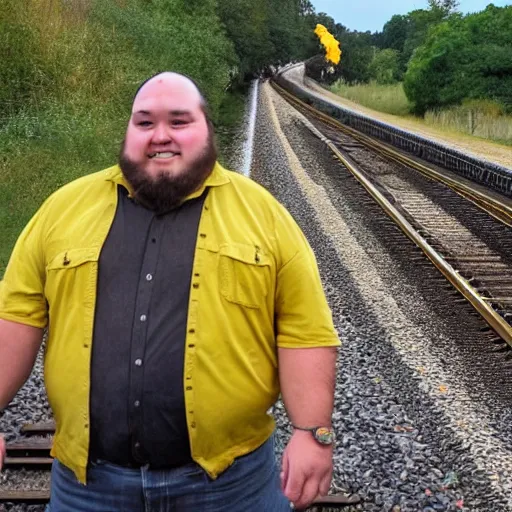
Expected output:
(389, 98)
(481, 118)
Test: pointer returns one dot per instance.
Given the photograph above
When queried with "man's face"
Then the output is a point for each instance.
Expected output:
(167, 132)
(169, 149)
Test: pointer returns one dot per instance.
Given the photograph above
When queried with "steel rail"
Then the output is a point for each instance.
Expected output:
(495, 321)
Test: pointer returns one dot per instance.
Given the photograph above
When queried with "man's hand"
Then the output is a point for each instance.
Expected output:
(307, 469)
(2, 452)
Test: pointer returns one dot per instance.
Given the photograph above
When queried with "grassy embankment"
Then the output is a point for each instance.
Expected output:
(484, 119)
(68, 75)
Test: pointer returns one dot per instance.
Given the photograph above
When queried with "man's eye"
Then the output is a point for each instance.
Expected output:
(144, 123)
(178, 122)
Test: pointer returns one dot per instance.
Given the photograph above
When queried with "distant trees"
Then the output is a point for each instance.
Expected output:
(384, 56)
(442, 56)
(448, 6)
(464, 58)
(358, 52)
(97, 50)
(269, 32)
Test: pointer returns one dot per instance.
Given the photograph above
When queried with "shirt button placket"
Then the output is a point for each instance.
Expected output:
(191, 333)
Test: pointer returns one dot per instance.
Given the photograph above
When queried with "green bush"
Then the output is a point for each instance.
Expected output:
(464, 58)
(384, 68)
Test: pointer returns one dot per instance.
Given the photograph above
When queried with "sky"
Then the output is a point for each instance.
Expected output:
(371, 15)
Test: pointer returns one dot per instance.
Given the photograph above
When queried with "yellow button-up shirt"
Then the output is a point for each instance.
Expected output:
(255, 287)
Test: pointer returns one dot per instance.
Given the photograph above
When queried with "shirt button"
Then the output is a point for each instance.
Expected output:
(136, 403)
(138, 362)
(143, 318)
(149, 277)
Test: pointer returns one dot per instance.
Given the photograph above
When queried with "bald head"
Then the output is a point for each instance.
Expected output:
(172, 81)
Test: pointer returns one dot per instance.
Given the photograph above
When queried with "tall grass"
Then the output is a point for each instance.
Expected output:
(384, 98)
(481, 118)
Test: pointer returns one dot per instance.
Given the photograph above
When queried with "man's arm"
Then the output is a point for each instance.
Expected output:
(19, 345)
(307, 379)
(306, 342)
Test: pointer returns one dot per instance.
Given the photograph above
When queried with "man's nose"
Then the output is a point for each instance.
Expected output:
(162, 133)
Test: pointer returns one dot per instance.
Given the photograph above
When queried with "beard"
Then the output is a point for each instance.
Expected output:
(163, 193)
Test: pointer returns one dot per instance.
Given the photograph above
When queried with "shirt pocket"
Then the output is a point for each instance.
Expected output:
(69, 272)
(244, 274)
(72, 258)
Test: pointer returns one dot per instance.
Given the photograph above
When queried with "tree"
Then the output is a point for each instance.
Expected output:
(405, 33)
(268, 32)
(246, 24)
(306, 8)
(326, 20)
(420, 22)
(394, 33)
(384, 67)
(357, 53)
(448, 6)
(464, 58)
(312, 44)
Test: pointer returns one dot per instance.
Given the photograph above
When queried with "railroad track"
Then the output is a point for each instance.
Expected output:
(34, 453)
(415, 195)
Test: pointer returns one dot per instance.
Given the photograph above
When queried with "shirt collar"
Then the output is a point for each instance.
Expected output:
(219, 176)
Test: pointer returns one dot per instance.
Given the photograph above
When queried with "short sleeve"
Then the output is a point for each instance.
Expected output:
(303, 315)
(22, 297)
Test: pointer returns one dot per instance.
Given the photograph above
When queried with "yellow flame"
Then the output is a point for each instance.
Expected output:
(332, 47)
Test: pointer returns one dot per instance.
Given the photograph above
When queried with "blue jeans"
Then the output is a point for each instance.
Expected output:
(251, 484)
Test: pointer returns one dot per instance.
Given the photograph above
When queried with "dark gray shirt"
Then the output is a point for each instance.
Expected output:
(137, 403)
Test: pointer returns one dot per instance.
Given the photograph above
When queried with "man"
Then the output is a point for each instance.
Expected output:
(180, 299)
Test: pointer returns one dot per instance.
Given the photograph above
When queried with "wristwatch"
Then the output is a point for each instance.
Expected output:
(323, 435)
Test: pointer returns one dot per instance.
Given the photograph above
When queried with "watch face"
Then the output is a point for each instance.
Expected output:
(324, 435)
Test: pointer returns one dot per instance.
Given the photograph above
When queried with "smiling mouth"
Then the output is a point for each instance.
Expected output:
(167, 154)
